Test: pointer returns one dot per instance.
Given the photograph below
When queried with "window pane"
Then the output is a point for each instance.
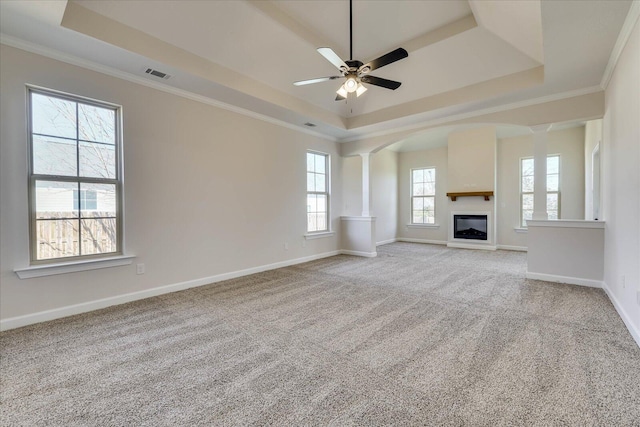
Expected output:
(429, 203)
(430, 217)
(430, 175)
(321, 203)
(552, 214)
(526, 214)
(527, 184)
(312, 222)
(418, 203)
(310, 162)
(418, 189)
(311, 182)
(96, 124)
(430, 188)
(320, 163)
(97, 160)
(53, 116)
(418, 175)
(418, 217)
(54, 156)
(552, 202)
(527, 167)
(320, 182)
(56, 239)
(552, 182)
(321, 221)
(527, 202)
(553, 164)
(98, 200)
(98, 236)
(311, 203)
(56, 200)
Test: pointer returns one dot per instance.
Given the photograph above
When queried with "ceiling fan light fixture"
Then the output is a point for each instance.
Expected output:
(351, 85)
(342, 91)
(361, 89)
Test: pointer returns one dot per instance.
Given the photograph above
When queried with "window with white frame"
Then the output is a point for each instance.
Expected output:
(423, 196)
(317, 192)
(527, 169)
(75, 179)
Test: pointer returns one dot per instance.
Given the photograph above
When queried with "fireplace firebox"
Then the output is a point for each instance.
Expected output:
(472, 227)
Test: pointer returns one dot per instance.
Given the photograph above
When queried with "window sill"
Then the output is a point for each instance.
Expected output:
(520, 229)
(72, 267)
(423, 225)
(320, 235)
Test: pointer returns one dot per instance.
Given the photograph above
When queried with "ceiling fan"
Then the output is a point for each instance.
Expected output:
(356, 72)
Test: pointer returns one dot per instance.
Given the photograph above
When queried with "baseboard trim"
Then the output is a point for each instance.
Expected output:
(512, 248)
(57, 313)
(359, 253)
(633, 330)
(471, 246)
(564, 279)
(386, 242)
(430, 242)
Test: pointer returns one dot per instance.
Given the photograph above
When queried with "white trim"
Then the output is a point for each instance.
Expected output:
(633, 329)
(457, 117)
(565, 223)
(512, 248)
(320, 235)
(358, 218)
(386, 242)
(72, 267)
(423, 226)
(621, 42)
(471, 246)
(43, 316)
(359, 253)
(427, 241)
(103, 69)
(564, 279)
(520, 229)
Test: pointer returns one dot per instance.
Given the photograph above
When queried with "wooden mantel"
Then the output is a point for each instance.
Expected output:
(485, 194)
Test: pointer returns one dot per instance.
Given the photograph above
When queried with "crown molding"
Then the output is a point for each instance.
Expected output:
(621, 42)
(113, 72)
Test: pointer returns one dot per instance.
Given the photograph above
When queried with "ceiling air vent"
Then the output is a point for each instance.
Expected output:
(309, 124)
(157, 73)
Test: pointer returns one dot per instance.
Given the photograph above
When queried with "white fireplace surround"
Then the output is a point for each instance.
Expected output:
(488, 244)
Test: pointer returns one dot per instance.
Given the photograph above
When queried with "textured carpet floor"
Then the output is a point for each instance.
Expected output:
(420, 335)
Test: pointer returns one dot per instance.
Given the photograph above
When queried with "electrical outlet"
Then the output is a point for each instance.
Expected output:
(623, 280)
(140, 269)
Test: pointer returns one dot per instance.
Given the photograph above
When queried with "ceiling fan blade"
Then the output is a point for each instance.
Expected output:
(386, 59)
(379, 81)
(318, 80)
(333, 57)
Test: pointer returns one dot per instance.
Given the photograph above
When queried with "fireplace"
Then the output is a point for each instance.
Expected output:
(472, 227)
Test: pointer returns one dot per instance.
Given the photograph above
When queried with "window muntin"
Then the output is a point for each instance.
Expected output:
(423, 192)
(317, 192)
(74, 177)
(527, 168)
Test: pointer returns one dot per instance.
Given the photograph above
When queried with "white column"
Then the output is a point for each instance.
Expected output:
(540, 138)
(366, 184)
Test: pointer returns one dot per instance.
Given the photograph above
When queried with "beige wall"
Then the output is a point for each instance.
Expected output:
(437, 158)
(569, 143)
(472, 160)
(207, 191)
(592, 137)
(384, 184)
(621, 183)
(352, 186)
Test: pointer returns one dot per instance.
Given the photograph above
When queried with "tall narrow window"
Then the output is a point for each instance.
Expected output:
(317, 192)
(74, 177)
(423, 196)
(527, 168)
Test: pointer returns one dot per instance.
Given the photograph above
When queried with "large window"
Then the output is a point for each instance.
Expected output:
(423, 196)
(527, 168)
(74, 177)
(317, 192)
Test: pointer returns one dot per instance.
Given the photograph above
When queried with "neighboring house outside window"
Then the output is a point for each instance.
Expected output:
(423, 196)
(75, 179)
(527, 168)
(317, 192)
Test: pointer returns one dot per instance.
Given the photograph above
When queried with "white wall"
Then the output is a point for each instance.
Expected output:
(194, 175)
(592, 137)
(352, 186)
(384, 184)
(621, 183)
(569, 143)
(472, 160)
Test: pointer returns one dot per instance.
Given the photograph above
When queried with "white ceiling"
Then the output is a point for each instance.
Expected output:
(247, 54)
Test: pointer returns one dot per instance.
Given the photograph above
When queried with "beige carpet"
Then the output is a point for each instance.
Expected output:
(420, 335)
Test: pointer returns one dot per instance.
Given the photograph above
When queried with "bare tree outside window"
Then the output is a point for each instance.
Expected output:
(74, 177)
